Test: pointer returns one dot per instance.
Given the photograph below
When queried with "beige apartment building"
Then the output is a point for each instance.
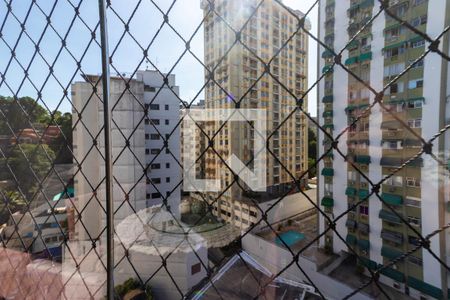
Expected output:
(268, 38)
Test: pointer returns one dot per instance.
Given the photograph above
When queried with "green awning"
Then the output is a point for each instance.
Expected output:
(327, 172)
(416, 99)
(368, 263)
(364, 244)
(352, 45)
(63, 195)
(393, 274)
(327, 99)
(366, 4)
(417, 38)
(363, 159)
(392, 199)
(363, 194)
(393, 46)
(351, 223)
(389, 217)
(328, 113)
(392, 27)
(327, 54)
(326, 126)
(327, 69)
(365, 56)
(351, 60)
(350, 191)
(390, 253)
(351, 239)
(353, 7)
(424, 287)
(327, 202)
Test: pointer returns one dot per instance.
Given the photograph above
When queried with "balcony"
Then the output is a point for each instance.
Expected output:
(363, 228)
(390, 253)
(394, 237)
(364, 245)
(327, 172)
(395, 162)
(351, 239)
(392, 199)
(351, 192)
(350, 224)
(389, 217)
(327, 99)
(327, 202)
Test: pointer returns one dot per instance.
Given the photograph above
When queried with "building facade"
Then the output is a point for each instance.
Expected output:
(145, 148)
(239, 76)
(378, 144)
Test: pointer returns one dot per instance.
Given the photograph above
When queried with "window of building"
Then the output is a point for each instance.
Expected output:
(412, 182)
(147, 196)
(166, 122)
(166, 106)
(147, 136)
(155, 121)
(155, 166)
(414, 84)
(147, 151)
(415, 104)
(412, 202)
(156, 195)
(154, 106)
(167, 165)
(148, 88)
(153, 136)
(395, 181)
(167, 179)
(415, 123)
(154, 151)
(156, 180)
(418, 44)
(364, 210)
(414, 221)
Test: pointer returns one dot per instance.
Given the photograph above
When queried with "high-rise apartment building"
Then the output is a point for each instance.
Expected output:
(379, 143)
(239, 75)
(138, 146)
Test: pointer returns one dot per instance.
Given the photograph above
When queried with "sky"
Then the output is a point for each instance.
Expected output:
(184, 16)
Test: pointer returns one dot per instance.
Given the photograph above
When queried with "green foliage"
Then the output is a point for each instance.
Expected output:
(198, 208)
(312, 172)
(19, 114)
(312, 144)
(62, 146)
(30, 158)
(131, 284)
(13, 201)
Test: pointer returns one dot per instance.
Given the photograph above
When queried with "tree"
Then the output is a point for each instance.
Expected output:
(27, 158)
(19, 114)
(62, 146)
(11, 201)
(312, 152)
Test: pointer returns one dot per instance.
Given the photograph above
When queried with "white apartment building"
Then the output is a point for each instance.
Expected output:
(138, 142)
(379, 143)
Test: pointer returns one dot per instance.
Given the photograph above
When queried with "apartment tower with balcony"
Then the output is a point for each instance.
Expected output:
(378, 143)
(240, 75)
